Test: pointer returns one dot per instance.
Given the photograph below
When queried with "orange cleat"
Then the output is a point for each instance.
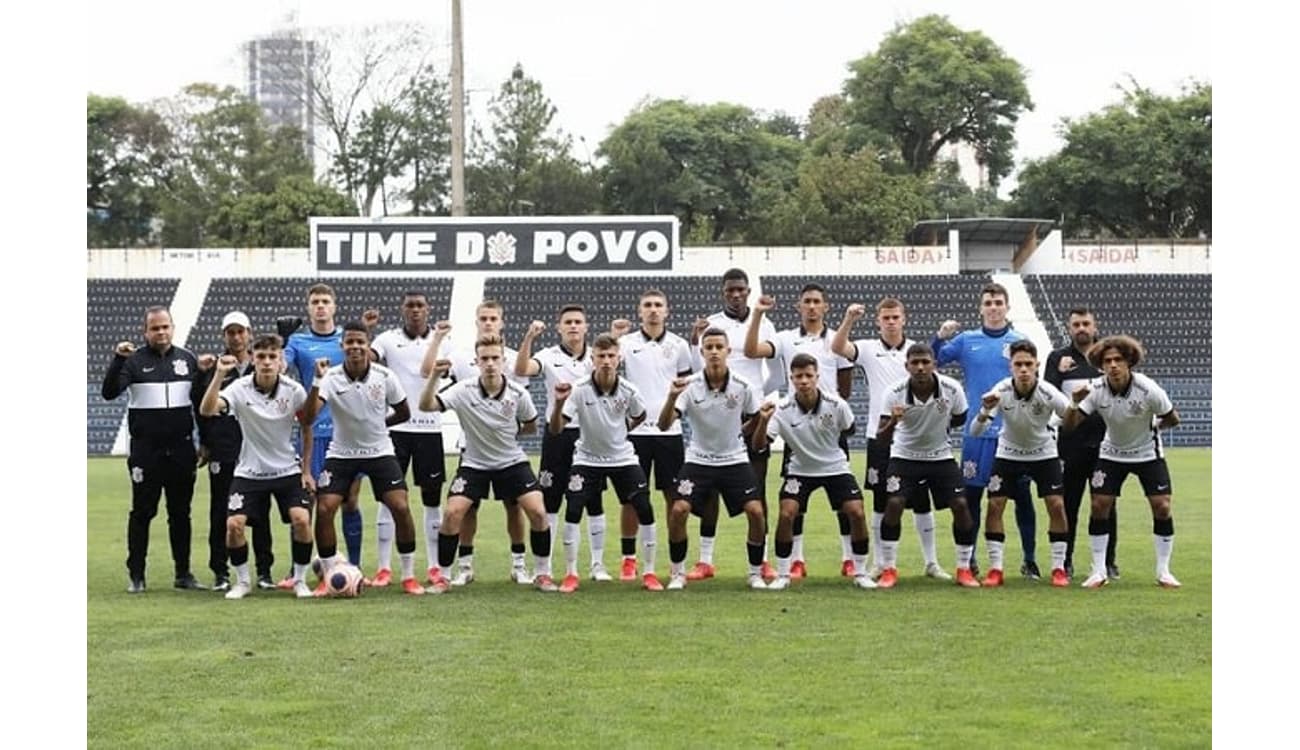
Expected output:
(768, 572)
(799, 569)
(545, 583)
(286, 584)
(383, 577)
(1059, 578)
(628, 571)
(846, 569)
(411, 586)
(650, 582)
(569, 584)
(967, 579)
(888, 578)
(322, 589)
(438, 583)
(993, 578)
(701, 571)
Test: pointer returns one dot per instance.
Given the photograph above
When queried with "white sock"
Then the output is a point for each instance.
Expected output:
(542, 565)
(925, 532)
(571, 543)
(676, 568)
(846, 546)
(887, 554)
(995, 554)
(596, 532)
(1098, 543)
(241, 574)
(649, 544)
(432, 525)
(553, 520)
(782, 566)
(408, 564)
(706, 549)
(1058, 555)
(796, 549)
(1164, 551)
(517, 559)
(300, 571)
(385, 529)
(964, 552)
(859, 565)
(876, 518)
(466, 562)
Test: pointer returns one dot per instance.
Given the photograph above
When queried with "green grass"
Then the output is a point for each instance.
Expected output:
(496, 664)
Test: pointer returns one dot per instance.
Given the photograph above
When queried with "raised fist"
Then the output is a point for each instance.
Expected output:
(322, 365)
(679, 385)
(1066, 364)
(562, 391)
(370, 318)
(766, 410)
(765, 302)
(206, 361)
(124, 349)
(286, 325)
(989, 401)
(949, 329)
(701, 325)
(536, 328)
(226, 363)
(620, 326)
(898, 411)
(1080, 393)
(442, 327)
(856, 312)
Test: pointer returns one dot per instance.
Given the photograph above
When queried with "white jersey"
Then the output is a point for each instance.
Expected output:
(794, 341)
(651, 364)
(360, 408)
(884, 366)
(266, 421)
(1026, 433)
(1130, 416)
(716, 418)
(922, 433)
(490, 422)
(812, 438)
(753, 370)
(602, 422)
(464, 366)
(560, 366)
(404, 356)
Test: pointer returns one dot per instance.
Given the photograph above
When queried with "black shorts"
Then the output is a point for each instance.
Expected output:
(506, 484)
(557, 459)
(666, 453)
(251, 498)
(384, 472)
(877, 464)
(1007, 472)
(424, 451)
(840, 488)
(1109, 477)
(586, 483)
(942, 479)
(736, 484)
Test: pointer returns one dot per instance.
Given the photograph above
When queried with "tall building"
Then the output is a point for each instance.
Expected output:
(280, 80)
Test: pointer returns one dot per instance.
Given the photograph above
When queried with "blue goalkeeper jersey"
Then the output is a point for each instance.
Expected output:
(301, 352)
(984, 358)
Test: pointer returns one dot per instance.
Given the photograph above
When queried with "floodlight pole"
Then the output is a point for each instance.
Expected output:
(457, 114)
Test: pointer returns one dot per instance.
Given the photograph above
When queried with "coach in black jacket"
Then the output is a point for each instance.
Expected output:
(159, 380)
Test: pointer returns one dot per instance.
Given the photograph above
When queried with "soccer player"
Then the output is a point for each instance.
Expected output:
(884, 363)
(492, 411)
(360, 393)
(1135, 409)
(219, 444)
(158, 380)
(916, 416)
(566, 362)
(813, 422)
(266, 406)
(733, 321)
(417, 442)
(983, 358)
(721, 406)
(1068, 368)
(605, 407)
(835, 374)
(652, 357)
(1025, 449)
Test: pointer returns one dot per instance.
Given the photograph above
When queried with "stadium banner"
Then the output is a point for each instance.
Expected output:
(504, 243)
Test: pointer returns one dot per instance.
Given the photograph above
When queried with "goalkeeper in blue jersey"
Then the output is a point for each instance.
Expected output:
(984, 359)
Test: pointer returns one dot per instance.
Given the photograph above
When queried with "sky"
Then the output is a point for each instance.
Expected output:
(597, 60)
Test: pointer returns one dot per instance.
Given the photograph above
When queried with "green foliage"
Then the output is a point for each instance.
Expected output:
(424, 147)
(275, 219)
(930, 84)
(1139, 168)
(952, 197)
(126, 160)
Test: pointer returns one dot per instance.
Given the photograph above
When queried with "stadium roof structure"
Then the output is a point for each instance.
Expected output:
(982, 230)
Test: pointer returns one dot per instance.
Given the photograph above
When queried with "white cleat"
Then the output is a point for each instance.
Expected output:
(598, 573)
(1166, 580)
(520, 575)
(302, 590)
(779, 583)
(464, 576)
(676, 582)
(934, 570)
(238, 590)
(864, 582)
(1095, 581)
(757, 583)
(874, 573)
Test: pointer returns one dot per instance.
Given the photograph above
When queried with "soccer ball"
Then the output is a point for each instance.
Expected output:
(344, 581)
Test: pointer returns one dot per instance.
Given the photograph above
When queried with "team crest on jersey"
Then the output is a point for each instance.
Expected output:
(620, 404)
(546, 479)
(995, 483)
(1098, 478)
(791, 486)
(873, 476)
(375, 391)
(733, 400)
(235, 501)
(215, 467)
(685, 488)
(508, 406)
(968, 469)
(826, 419)
(137, 474)
(282, 405)
(668, 351)
(1135, 408)
(575, 483)
(181, 367)
(325, 478)
(457, 486)
(1038, 408)
(892, 484)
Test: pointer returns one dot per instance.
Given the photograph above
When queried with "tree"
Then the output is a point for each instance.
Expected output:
(275, 219)
(952, 197)
(375, 153)
(1139, 168)
(931, 84)
(126, 160)
(424, 147)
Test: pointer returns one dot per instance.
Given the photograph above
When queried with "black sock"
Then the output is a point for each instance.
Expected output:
(844, 523)
(755, 552)
(517, 549)
(677, 551)
(798, 524)
(541, 542)
(783, 549)
(405, 548)
(1098, 526)
(1163, 526)
(995, 536)
(447, 549)
(239, 555)
(465, 549)
(890, 532)
(708, 528)
(860, 546)
(1058, 536)
(327, 552)
(301, 552)
(628, 543)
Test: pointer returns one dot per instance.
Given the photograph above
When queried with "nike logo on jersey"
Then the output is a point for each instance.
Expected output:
(697, 400)
(396, 481)
(147, 369)
(589, 403)
(638, 351)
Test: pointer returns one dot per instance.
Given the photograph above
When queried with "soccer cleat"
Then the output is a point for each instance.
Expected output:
(846, 568)
(934, 570)
(779, 583)
(412, 586)
(321, 589)
(799, 569)
(222, 584)
(875, 572)
(650, 582)
(433, 574)
(701, 571)
(1069, 570)
(189, 582)
(438, 583)
(520, 575)
(598, 573)
(463, 577)
(864, 582)
(676, 582)
(1166, 580)
(1112, 571)
(994, 577)
(628, 571)
(756, 582)
(383, 577)
(1095, 581)
(135, 586)
(1029, 569)
(887, 579)
(238, 591)
(974, 567)
(302, 590)
(266, 582)
(1060, 578)
(768, 572)
(569, 584)
(967, 579)
(285, 584)
(545, 583)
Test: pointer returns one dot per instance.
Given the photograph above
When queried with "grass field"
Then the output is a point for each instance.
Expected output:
(821, 665)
